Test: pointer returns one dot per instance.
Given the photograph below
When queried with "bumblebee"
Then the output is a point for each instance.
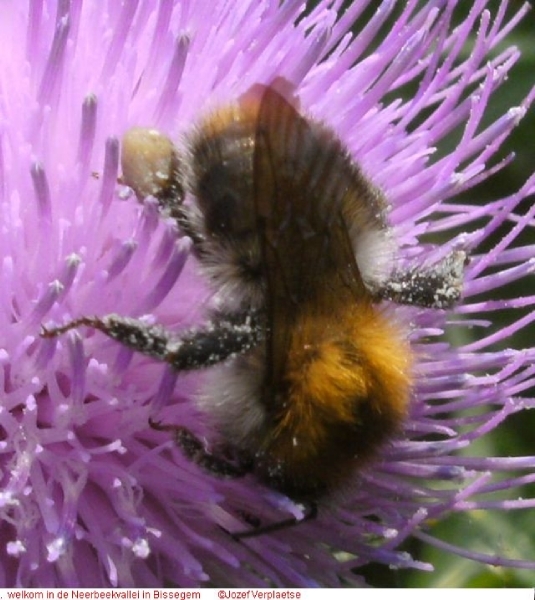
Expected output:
(310, 371)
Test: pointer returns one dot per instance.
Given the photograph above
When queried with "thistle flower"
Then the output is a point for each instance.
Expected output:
(90, 494)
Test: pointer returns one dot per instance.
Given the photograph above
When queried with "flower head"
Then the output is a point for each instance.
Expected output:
(90, 494)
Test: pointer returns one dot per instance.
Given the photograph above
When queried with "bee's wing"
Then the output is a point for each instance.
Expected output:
(300, 188)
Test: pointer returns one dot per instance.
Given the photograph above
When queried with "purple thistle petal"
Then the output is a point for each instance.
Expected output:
(42, 191)
(495, 561)
(87, 130)
(109, 177)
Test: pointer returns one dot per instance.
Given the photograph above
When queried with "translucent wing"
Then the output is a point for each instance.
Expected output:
(302, 178)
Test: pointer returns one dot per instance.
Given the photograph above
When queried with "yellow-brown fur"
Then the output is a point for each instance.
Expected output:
(344, 392)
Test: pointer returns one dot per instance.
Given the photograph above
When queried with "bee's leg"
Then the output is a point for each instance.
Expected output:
(218, 464)
(194, 450)
(439, 286)
(210, 344)
(221, 338)
(238, 466)
(171, 206)
(152, 166)
(311, 511)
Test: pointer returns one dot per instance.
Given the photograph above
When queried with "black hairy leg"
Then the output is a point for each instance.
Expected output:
(195, 451)
(439, 286)
(182, 215)
(220, 338)
(311, 512)
(219, 465)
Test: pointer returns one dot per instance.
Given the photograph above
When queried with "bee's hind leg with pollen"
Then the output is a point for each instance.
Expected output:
(438, 286)
(223, 336)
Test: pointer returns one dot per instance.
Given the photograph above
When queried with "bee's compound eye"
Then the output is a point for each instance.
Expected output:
(148, 161)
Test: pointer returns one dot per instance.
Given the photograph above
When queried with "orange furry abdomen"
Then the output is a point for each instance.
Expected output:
(344, 393)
